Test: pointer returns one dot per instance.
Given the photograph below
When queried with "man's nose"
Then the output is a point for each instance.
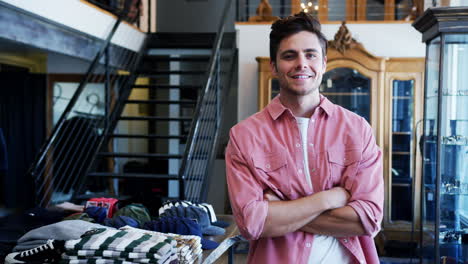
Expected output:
(301, 62)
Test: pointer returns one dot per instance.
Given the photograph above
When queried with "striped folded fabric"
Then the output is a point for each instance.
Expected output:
(173, 259)
(189, 248)
(107, 245)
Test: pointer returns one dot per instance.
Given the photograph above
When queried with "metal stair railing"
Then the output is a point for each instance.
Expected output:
(202, 140)
(66, 156)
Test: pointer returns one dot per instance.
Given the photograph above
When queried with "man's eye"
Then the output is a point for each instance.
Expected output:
(311, 55)
(288, 57)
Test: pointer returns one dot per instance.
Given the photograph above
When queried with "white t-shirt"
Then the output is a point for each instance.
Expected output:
(325, 249)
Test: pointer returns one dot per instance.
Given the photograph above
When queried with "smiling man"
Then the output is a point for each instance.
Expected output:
(304, 175)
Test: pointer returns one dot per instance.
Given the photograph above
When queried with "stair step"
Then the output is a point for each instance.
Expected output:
(139, 155)
(166, 86)
(148, 136)
(164, 72)
(181, 40)
(154, 118)
(199, 58)
(192, 102)
(134, 175)
(188, 40)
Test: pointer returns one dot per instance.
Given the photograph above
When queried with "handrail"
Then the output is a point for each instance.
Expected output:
(116, 113)
(52, 171)
(196, 124)
(76, 95)
(326, 10)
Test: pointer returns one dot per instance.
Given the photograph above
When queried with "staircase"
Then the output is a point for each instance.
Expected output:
(155, 134)
(144, 156)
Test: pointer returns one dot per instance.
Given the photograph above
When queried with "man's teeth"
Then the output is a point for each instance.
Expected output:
(301, 77)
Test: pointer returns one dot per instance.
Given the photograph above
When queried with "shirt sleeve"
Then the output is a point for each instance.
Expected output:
(245, 192)
(367, 187)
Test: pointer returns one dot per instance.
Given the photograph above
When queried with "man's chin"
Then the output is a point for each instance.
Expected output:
(301, 92)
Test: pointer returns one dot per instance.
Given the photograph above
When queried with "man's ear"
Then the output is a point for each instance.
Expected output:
(273, 68)
(324, 64)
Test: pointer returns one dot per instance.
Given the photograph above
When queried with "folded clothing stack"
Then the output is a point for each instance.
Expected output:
(208, 208)
(120, 246)
(189, 247)
(196, 213)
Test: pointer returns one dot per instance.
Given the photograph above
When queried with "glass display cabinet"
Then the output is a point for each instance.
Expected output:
(402, 163)
(444, 186)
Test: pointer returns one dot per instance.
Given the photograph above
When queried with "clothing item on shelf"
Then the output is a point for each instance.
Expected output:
(189, 248)
(71, 207)
(113, 257)
(47, 253)
(199, 215)
(181, 226)
(99, 214)
(80, 216)
(136, 211)
(208, 208)
(109, 203)
(120, 245)
(64, 230)
(120, 221)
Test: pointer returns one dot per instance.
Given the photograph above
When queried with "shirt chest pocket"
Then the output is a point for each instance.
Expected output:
(272, 169)
(343, 165)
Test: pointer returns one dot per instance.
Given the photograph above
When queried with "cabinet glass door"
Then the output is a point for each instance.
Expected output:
(402, 127)
(348, 88)
(428, 141)
(454, 148)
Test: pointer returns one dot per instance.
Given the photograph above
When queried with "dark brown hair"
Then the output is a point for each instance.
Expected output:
(291, 25)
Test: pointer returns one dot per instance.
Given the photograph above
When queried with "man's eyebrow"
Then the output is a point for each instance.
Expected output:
(294, 51)
(288, 51)
(311, 50)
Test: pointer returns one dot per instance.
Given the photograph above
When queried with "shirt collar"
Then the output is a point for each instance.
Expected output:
(276, 109)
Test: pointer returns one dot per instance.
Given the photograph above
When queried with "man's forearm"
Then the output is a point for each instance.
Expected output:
(340, 222)
(288, 216)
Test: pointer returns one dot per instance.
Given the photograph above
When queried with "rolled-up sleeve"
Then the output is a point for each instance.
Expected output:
(367, 188)
(245, 192)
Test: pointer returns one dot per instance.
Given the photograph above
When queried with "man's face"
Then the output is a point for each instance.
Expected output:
(300, 64)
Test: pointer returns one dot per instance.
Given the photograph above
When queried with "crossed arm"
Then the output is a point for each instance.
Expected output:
(323, 213)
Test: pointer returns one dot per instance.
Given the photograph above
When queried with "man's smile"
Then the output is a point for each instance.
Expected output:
(302, 76)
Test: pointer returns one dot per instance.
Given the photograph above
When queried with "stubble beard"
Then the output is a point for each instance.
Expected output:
(288, 89)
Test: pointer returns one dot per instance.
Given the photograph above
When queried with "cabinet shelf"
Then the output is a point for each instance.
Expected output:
(401, 133)
(454, 194)
(401, 184)
(455, 144)
(401, 153)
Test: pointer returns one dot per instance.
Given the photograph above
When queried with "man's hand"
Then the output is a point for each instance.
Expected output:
(270, 196)
(337, 197)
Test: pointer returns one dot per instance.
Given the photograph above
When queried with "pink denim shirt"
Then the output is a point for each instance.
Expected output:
(265, 153)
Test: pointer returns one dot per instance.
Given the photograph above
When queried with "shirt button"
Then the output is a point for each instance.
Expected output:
(312, 120)
(311, 144)
(308, 245)
(298, 145)
(312, 170)
(345, 240)
(268, 166)
(300, 171)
